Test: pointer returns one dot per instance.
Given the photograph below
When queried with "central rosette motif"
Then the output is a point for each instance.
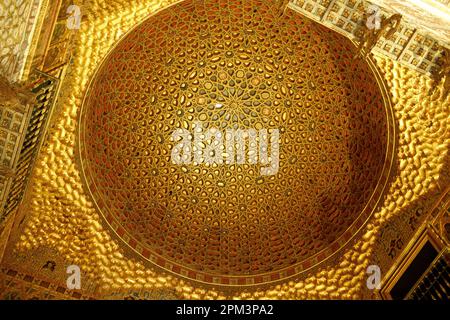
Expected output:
(232, 65)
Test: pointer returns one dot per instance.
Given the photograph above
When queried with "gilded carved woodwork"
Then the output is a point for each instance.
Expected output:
(20, 22)
(14, 95)
(371, 36)
(430, 16)
(21, 136)
(410, 45)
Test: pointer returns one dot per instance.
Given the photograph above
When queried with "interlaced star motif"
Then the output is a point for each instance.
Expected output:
(234, 64)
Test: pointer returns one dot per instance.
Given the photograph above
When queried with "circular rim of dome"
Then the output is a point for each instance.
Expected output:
(153, 260)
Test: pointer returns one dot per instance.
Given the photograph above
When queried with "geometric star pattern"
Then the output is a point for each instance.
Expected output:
(235, 65)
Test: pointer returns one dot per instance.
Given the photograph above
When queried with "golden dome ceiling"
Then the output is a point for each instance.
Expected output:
(229, 64)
